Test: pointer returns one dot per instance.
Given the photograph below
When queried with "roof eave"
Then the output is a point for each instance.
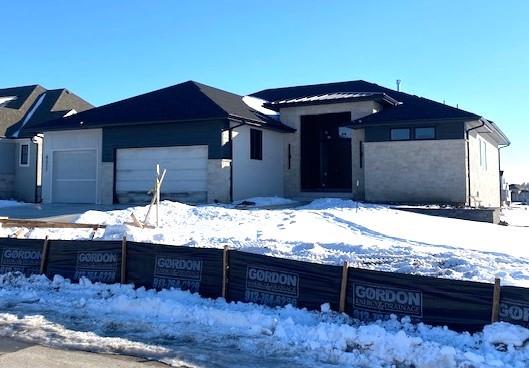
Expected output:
(357, 125)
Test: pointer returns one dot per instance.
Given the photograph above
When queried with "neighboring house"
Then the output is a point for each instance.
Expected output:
(505, 192)
(349, 139)
(519, 193)
(21, 151)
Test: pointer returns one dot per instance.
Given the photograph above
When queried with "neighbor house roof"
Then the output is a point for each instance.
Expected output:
(182, 102)
(411, 107)
(21, 108)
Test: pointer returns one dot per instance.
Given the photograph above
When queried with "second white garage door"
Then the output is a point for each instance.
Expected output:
(186, 178)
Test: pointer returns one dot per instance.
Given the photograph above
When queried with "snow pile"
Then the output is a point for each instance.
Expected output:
(330, 231)
(177, 327)
(257, 104)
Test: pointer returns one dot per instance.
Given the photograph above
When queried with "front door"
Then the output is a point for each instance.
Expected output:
(325, 156)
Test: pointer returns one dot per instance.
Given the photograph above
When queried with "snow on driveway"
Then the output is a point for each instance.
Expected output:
(182, 329)
(332, 231)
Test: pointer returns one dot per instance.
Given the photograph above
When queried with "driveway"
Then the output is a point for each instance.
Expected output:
(17, 354)
(54, 211)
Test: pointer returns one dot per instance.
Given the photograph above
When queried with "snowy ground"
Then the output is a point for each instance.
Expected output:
(179, 328)
(332, 231)
(6, 203)
(516, 215)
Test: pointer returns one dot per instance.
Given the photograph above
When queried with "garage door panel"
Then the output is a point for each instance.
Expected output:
(74, 176)
(185, 180)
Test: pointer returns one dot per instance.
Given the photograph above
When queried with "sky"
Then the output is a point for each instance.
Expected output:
(474, 54)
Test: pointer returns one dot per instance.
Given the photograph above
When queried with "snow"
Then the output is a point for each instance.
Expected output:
(7, 203)
(516, 215)
(4, 100)
(257, 104)
(330, 231)
(179, 328)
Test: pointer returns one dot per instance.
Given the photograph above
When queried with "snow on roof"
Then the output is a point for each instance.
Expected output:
(328, 96)
(257, 104)
(30, 114)
(5, 99)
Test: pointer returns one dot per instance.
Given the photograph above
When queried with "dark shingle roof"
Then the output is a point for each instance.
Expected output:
(182, 102)
(14, 109)
(411, 107)
(46, 105)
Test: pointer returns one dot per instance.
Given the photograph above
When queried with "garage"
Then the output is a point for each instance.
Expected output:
(74, 176)
(185, 180)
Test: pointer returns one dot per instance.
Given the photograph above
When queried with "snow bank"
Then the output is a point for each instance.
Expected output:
(331, 231)
(158, 325)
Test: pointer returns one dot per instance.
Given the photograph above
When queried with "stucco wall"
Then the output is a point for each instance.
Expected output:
(253, 178)
(291, 116)
(70, 140)
(7, 169)
(484, 178)
(415, 171)
(26, 176)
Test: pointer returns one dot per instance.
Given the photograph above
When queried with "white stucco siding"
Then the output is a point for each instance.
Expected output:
(70, 140)
(484, 170)
(252, 178)
(291, 116)
(415, 171)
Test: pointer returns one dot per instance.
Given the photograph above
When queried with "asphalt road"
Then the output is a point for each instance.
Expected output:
(17, 354)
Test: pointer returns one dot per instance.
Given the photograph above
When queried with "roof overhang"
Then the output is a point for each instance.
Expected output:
(486, 126)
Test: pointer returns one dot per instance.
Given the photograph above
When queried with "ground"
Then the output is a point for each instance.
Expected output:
(178, 328)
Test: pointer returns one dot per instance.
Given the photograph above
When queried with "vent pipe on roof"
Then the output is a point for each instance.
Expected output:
(398, 85)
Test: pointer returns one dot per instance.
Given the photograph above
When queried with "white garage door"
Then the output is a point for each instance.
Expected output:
(185, 180)
(74, 176)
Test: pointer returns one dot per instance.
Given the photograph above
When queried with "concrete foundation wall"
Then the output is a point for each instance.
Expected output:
(484, 171)
(291, 116)
(491, 215)
(257, 178)
(415, 171)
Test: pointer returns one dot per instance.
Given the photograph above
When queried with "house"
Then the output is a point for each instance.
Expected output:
(21, 151)
(519, 193)
(349, 139)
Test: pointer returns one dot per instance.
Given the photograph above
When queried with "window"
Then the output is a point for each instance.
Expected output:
(24, 155)
(256, 144)
(482, 154)
(425, 133)
(402, 134)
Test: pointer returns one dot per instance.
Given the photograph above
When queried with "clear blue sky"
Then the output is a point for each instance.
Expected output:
(471, 53)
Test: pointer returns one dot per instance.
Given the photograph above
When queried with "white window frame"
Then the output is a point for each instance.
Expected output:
(483, 154)
(20, 154)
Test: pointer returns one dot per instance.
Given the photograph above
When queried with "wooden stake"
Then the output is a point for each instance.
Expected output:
(44, 256)
(496, 301)
(343, 289)
(135, 221)
(157, 195)
(224, 271)
(124, 260)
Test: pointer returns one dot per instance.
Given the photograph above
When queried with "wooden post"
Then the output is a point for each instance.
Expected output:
(224, 271)
(157, 195)
(44, 256)
(496, 301)
(343, 289)
(124, 260)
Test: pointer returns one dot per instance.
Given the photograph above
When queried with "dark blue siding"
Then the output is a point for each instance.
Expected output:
(444, 130)
(207, 132)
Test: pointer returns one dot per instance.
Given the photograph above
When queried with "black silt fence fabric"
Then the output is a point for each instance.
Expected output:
(514, 305)
(20, 255)
(277, 282)
(98, 261)
(461, 305)
(163, 267)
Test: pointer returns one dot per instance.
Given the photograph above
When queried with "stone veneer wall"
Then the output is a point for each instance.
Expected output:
(415, 171)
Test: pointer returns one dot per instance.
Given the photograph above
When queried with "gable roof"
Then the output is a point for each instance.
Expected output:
(411, 107)
(28, 106)
(182, 102)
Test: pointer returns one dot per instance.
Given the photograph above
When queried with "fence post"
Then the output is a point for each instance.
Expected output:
(496, 301)
(224, 271)
(44, 256)
(124, 260)
(343, 289)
